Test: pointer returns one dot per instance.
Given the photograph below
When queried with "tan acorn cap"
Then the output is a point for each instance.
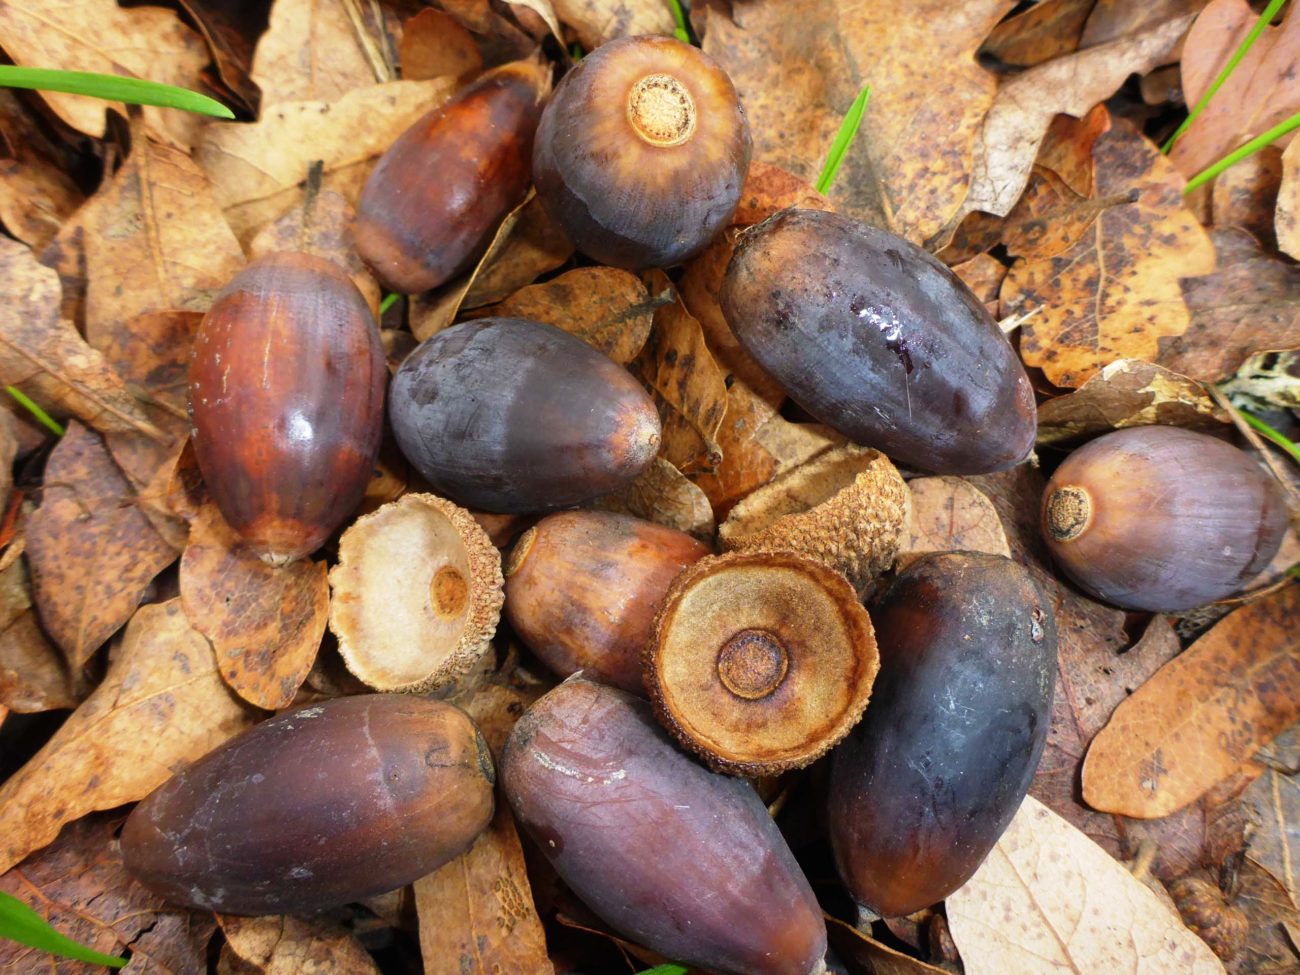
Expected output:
(846, 508)
(760, 661)
(417, 594)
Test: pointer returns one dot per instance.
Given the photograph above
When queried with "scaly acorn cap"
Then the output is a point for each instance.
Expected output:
(417, 594)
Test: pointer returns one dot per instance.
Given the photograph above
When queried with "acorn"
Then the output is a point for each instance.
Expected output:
(641, 154)
(877, 339)
(760, 661)
(435, 199)
(416, 595)
(1162, 519)
(583, 588)
(286, 400)
(930, 778)
(511, 416)
(317, 807)
(682, 860)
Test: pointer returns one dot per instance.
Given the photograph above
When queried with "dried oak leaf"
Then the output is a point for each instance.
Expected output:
(98, 35)
(92, 551)
(609, 309)
(871, 955)
(33, 674)
(1245, 195)
(259, 170)
(161, 705)
(1046, 30)
(598, 21)
(983, 275)
(534, 246)
(265, 623)
(282, 945)
(746, 463)
(1112, 19)
(949, 514)
(1275, 795)
(1049, 900)
(435, 45)
(910, 167)
(78, 885)
(1260, 92)
(1287, 221)
(48, 360)
(1114, 293)
(1128, 393)
(231, 31)
(1273, 939)
(158, 240)
(1202, 715)
(662, 494)
(36, 193)
(1249, 304)
(315, 52)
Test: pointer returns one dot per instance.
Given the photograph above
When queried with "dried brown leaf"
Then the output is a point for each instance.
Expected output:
(598, 21)
(36, 193)
(533, 247)
(265, 623)
(1202, 715)
(663, 494)
(746, 463)
(949, 514)
(1258, 94)
(33, 675)
(1113, 19)
(1245, 195)
(259, 170)
(983, 275)
(1275, 795)
(1049, 900)
(1249, 304)
(607, 308)
(280, 945)
(1287, 221)
(1116, 292)
(871, 955)
(231, 31)
(1128, 393)
(435, 45)
(98, 35)
(92, 552)
(161, 705)
(1272, 947)
(79, 886)
(1046, 30)
(312, 51)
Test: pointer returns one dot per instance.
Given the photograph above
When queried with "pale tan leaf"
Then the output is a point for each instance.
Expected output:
(1050, 901)
(1287, 221)
(949, 514)
(663, 494)
(311, 51)
(280, 945)
(598, 21)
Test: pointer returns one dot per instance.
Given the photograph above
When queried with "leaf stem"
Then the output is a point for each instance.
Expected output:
(111, 87)
(42, 417)
(1243, 152)
(843, 139)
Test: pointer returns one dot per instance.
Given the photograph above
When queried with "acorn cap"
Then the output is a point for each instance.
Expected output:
(760, 661)
(417, 594)
(846, 508)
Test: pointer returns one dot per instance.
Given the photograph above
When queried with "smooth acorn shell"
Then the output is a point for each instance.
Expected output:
(436, 197)
(682, 860)
(642, 151)
(287, 402)
(509, 415)
(926, 783)
(874, 337)
(315, 808)
(1162, 519)
(583, 588)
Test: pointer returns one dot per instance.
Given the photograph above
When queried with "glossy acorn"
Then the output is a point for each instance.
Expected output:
(682, 860)
(642, 151)
(437, 195)
(583, 587)
(1162, 519)
(510, 416)
(929, 779)
(876, 338)
(286, 399)
(315, 808)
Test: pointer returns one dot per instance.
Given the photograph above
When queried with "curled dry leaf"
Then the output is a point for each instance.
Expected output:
(1250, 303)
(1273, 940)
(314, 52)
(265, 623)
(161, 705)
(607, 308)
(1046, 30)
(534, 246)
(1202, 715)
(33, 675)
(231, 31)
(746, 463)
(598, 21)
(36, 193)
(1128, 393)
(1287, 221)
(48, 360)
(282, 945)
(92, 551)
(1245, 195)
(949, 514)
(78, 885)
(1115, 292)
(871, 955)
(98, 35)
(1049, 900)
(662, 494)
(983, 275)
(1275, 795)
(259, 170)
(1113, 19)
(435, 45)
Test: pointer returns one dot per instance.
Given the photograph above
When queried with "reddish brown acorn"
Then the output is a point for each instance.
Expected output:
(583, 587)
(315, 808)
(436, 197)
(287, 402)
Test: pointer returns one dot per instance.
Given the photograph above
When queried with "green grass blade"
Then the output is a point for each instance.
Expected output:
(1269, 433)
(42, 417)
(112, 88)
(1264, 20)
(680, 31)
(665, 970)
(389, 301)
(20, 923)
(843, 139)
(1249, 149)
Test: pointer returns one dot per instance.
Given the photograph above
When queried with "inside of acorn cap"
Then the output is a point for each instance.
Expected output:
(415, 596)
(821, 673)
(798, 490)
